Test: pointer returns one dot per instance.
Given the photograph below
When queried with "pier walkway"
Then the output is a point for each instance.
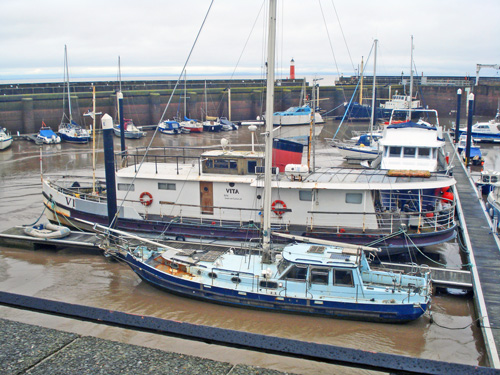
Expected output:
(484, 254)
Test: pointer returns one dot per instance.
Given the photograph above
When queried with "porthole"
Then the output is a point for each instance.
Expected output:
(212, 275)
(259, 196)
(236, 280)
(231, 184)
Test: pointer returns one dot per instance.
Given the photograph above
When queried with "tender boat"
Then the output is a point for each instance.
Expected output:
(296, 116)
(46, 135)
(47, 230)
(365, 148)
(5, 139)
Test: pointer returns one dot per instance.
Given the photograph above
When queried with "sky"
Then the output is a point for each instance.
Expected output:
(326, 38)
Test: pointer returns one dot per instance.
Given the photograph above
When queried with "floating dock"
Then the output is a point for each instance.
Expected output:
(483, 249)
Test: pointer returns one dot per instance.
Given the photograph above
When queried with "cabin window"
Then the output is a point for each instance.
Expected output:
(319, 276)
(343, 278)
(353, 198)
(424, 153)
(251, 166)
(268, 284)
(225, 164)
(409, 152)
(283, 265)
(165, 186)
(125, 187)
(297, 273)
(395, 151)
(209, 163)
(494, 179)
(212, 275)
(305, 195)
(236, 280)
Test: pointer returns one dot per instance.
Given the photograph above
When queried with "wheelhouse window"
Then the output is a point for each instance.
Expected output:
(409, 152)
(319, 276)
(296, 273)
(305, 195)
(225, 164)
(165, 186)
(353, 198)
(125, 187)
(343, 278)
(424, 153)
(251, 166)
(395, 151)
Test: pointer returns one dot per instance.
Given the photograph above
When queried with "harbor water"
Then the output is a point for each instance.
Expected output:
(81, 277)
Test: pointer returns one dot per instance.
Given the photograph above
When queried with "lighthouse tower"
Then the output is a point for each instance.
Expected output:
(292, 69)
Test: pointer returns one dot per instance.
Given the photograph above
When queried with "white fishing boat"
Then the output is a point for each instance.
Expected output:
(317, 278)
(488, 131)
(5, 139)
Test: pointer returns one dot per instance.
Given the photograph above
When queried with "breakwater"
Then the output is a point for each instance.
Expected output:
(23, 107)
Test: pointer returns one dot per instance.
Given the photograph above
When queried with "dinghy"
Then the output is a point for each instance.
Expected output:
(47, 231)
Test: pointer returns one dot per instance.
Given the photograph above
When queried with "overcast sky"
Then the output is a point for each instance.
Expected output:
(324, 37)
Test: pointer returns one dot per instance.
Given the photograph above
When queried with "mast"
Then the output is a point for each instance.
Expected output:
(374, 89)
(93, 139)
(268, 161)
(119, 75)
(185, 96)
(411, 80)
(67, 81)
(361, 83)
(206, 103)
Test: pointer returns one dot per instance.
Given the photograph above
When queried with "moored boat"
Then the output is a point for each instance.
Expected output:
(131, 131)
(296, 116)
(5, 139)
(47, 230)
(46, 135)
(317, 277)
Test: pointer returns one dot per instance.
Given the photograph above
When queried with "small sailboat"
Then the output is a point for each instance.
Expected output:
(69, 130)
(5, 139)
(315, 277)
(194, 126)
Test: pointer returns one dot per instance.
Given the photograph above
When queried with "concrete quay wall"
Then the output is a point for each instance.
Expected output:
(145, 103)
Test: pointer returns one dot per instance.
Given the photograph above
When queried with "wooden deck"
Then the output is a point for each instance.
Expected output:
(484, 254)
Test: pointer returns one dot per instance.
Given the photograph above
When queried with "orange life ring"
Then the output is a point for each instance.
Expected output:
(278, 210)
(146, 201)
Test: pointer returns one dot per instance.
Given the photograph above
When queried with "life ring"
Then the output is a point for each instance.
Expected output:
(146, 201)
(278, 210)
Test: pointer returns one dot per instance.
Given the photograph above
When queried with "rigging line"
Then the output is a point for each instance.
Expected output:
(330, 43)
(354, 93)
(343, 36)
(163, 115)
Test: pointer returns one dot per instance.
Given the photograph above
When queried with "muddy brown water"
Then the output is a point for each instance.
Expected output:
(88, 278)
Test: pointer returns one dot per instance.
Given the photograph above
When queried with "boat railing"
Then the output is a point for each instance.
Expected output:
(82, 192)
(137, 159)
(396, 211)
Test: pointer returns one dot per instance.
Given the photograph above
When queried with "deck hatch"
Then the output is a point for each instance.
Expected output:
(316, 249)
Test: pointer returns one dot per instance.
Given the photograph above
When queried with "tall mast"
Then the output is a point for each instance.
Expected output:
(374, 89)
(361, 83)
(185, 96)
(119, 75)
(411, 80)
(268, 161)
(67, 82)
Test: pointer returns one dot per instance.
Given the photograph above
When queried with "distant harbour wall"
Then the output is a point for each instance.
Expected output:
(24, 107)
